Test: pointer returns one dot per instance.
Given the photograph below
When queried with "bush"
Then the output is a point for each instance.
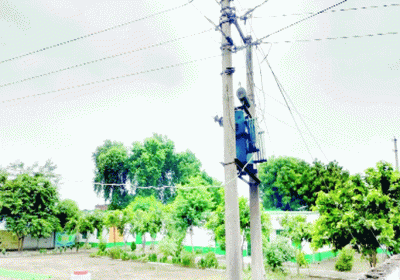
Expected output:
(277, 252)
(210, 261)
(41, 251)
(163, 259)
(168, 247)
(301, 259)
(133, 256)
(187, 259)
(102, 246)
(115, 253)
(198, 251)
(345, 260)
(125, 256)
(86, 246)
(93, 254)
(133, 246)
(153, 257)
(176, 260)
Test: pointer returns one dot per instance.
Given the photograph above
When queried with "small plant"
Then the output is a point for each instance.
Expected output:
(301, 259)
(133, 246)
(102, 246)
(277, 252)
(115, 253)
(60, 249)
(42, 251)
(125, 256)
(86, 246)
(133, 256)
(163, 259)
(198, 251)
(65, 249)
(153, 257)
(92, 255)
(211, 260)
(176, 260)
(3, 251)
(188, 259)
(143, 258)
(345, 260)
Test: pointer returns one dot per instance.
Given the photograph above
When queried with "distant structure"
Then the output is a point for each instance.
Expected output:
(395, 153)
(102, 207)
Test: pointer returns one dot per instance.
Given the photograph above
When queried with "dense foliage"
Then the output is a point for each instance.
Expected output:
(363, 212)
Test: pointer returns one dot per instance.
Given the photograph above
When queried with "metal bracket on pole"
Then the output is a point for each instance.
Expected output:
(252, 175)
(229, 71)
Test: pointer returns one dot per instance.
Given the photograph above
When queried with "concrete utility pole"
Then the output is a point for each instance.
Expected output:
(232, 225)
(257, 269)
(395, 153)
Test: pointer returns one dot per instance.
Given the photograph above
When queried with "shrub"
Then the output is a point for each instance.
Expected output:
(211, 260)
(198, 251)
(301, 259)
(133, 256)
(133, 246)
(102, 246)
(125, 256)
(93, 254)
(143, 258)
(86, 246)
(176, 260)
(202, 263)
(41, 251)
(277, 252)
(115, 253)
(153, 257)
(168, 247)
(345, 260)
(187, 259)
(163, 259)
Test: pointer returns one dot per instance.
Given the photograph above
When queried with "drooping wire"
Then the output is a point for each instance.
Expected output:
(333, 38)
(334, 11)
(113, 78)
(304, 19)
(105, 58)
(98, 32)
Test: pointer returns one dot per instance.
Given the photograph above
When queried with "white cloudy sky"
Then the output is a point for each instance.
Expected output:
(347, 89)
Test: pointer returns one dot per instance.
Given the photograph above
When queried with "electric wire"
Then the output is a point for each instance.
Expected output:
(105, 58)
(297, 22)
(290, 110)
(332, 38)
(98, 32)
(334, 11)
(250, 11)
(112, 78)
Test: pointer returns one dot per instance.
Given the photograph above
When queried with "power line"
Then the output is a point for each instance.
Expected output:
(297, 22)
(112, 78)
(98, 32)
(334, 38)
(104, 58)
(333, 11)
(291, 113)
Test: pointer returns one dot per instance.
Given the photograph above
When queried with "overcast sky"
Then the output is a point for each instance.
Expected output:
(347, 89)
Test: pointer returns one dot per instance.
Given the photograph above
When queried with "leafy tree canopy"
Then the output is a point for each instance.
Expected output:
(289, 183)
(66, 209)
(28, 204)
(363, 212)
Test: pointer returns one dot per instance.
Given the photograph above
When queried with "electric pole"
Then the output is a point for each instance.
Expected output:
(395, 153)
(232, 225)
(257, 269)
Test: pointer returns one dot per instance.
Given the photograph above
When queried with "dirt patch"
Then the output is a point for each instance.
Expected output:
(62, 266)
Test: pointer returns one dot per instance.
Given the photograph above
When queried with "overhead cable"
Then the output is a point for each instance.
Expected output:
(98, 32)
(104, 58)
(297, 22)
(333, 38)
(112, 78)
(334, 11)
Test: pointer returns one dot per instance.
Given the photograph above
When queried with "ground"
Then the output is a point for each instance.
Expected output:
(61, 266)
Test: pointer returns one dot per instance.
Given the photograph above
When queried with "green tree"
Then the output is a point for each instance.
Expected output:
(27, 204)
(298, 230)
(216, 222)
(66, 210)
(281, 178)
(145, 216)
(111, 160)
(154, 163)
(358, 212)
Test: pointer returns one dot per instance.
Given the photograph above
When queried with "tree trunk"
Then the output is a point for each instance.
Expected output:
(373, 259)
(191, 238)
(144, 242)
(244, 237)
